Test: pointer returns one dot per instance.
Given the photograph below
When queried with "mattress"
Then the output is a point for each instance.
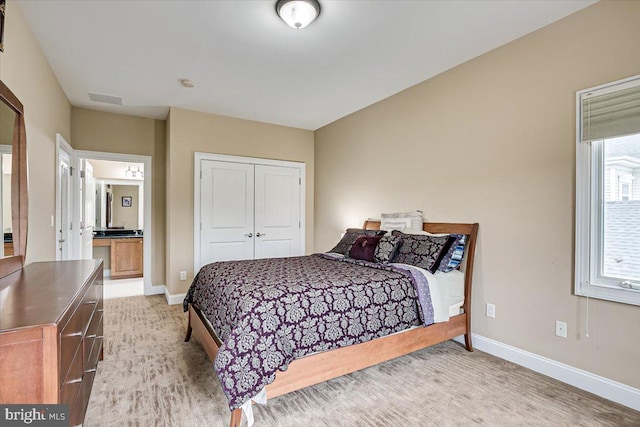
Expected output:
(447, 293)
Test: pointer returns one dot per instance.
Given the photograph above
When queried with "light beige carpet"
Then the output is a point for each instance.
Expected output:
(150, 377)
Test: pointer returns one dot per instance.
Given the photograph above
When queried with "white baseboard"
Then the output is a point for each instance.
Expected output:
(601, 386)
(173, 299)
(156, 290)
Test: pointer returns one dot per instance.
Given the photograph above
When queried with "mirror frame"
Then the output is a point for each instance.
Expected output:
(19, 193)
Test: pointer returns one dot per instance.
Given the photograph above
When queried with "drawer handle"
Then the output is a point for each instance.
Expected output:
(79, 380)
(91, 336)
(91, 302)
(75, 334)
(90, 371)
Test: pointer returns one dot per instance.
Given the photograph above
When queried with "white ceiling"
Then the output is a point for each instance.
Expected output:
(247, 63)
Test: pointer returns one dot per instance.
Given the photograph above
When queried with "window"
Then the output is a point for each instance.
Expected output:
(608, 192)
(625, 191)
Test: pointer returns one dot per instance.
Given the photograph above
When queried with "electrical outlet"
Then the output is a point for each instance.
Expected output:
(183, 275)
(561, 329)
(491, 311)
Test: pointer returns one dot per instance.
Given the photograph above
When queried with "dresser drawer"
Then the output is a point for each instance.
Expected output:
(77, 412)
(99, 291)
(80, 408)
(70, 339)
(94, 334)
(94, 354)
(91, 298)
(95, 326)
(73, 380)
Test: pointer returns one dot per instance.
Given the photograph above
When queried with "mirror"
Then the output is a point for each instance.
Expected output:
(13, 146)
(118, 205)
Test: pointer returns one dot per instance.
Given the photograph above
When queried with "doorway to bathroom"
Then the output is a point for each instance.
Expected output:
(110, 206)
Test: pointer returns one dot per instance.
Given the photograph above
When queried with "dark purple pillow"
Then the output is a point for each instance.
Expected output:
(350, 236)
(364, 248)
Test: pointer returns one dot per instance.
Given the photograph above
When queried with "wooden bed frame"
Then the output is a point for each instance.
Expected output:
(327, 365)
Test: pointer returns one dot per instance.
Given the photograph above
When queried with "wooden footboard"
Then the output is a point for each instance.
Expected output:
(331, 364)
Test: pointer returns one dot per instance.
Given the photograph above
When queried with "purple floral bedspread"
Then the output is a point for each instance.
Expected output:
(268, 312)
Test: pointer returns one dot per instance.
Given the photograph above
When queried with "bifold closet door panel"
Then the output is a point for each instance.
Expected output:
(226, 211)
(277, 211)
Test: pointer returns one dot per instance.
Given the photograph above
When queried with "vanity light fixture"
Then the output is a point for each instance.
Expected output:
(298, 13)
(133, 174)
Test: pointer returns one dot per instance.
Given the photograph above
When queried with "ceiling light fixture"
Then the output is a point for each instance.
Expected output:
(186, 83)
(298, 13)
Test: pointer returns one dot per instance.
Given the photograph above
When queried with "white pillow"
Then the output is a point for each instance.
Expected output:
(400, 224)
(401, 221)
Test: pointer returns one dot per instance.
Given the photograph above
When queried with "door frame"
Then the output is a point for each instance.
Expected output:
(86, 230)
(64, 149)
(149, 288)
(197, 169)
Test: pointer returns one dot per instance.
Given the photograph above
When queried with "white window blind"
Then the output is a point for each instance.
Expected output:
(610, 112)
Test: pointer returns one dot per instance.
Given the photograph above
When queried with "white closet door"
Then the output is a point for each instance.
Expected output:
(277, 212)
(226, 211)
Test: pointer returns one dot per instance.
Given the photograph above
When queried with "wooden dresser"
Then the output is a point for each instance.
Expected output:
(51, 334)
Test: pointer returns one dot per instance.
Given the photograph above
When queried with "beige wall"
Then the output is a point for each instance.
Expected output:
(118, 133)
(25, 69)
(493, 141)
(190, 132)
(104, 253)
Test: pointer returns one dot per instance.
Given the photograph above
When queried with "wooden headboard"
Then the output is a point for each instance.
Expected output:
(470, 230)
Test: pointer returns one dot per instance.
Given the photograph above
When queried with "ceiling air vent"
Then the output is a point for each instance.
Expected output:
(106, 99)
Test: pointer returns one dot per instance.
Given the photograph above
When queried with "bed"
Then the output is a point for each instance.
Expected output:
(309, 363)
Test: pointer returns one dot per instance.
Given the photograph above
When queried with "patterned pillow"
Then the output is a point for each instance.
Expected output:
(453, 257)
(401, 221)
(422, 251)
(386, 249)
(350, 236)
(364, 247)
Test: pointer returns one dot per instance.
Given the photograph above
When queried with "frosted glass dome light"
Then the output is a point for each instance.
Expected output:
(298, 13)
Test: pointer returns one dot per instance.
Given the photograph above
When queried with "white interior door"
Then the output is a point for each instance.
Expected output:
(277, 211)
(88, 195)
(226, 211)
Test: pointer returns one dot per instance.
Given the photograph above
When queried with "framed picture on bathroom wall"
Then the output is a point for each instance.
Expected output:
(126, 201)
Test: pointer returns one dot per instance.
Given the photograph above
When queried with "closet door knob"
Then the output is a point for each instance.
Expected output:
(260, 235)
(249, 235)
